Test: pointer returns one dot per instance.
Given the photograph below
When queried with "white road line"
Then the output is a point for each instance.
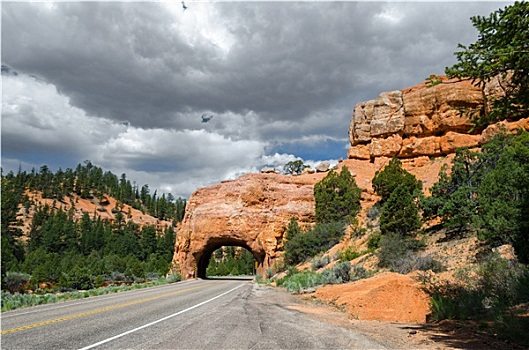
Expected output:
(158, 321)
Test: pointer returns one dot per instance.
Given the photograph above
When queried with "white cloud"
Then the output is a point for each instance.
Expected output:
(37, 119)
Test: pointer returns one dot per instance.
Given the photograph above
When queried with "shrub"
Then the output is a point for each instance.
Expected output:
(392, 248)
(374, 211)
(319, 262)
(484, 292)
(415, 262)
(173, 278)
(343, 271)
(306, 245)
(348, 254)
(373, 241)
(16, 282)
(79, 278)
(301, 281)
(359, 272)
(340, 273)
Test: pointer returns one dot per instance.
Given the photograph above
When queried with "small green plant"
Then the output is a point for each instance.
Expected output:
(319, 262)
(433, 80)
(373, 240)
(301, 281)
(350, 253)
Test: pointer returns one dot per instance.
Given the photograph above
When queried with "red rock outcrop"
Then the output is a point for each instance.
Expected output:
(421, 121)
(252, 211)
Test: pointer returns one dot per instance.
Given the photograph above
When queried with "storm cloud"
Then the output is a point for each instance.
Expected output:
(125, 84)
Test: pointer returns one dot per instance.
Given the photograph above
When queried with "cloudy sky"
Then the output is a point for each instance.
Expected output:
(125, 84)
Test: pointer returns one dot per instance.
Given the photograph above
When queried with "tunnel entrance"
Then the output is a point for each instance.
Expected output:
(220, 249)
(231, 261)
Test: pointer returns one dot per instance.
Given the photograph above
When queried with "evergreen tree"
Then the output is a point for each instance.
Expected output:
(393, 176)
(502, 49)
(337, 197)
(400, 214)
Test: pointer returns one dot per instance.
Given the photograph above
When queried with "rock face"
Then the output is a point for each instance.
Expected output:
(420, 121)
(252, 211)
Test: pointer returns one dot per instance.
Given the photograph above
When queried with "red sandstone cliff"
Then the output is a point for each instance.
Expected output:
(422, 121)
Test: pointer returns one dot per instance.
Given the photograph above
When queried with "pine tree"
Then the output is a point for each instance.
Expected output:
(337, 197)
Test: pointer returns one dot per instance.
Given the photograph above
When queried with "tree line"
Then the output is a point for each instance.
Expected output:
(78, 253)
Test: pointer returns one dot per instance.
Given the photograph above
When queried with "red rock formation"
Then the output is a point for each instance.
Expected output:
(252, 211)
(421, 121)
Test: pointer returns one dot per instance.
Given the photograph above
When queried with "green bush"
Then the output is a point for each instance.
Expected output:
(337, 197)
(373, 241)
(399, 255)
(342, 271)
(79, 278)
(350, 253)
(392, 248)
(359, 272)
(486, 292)
(306, 245)
(301, 281)
(489, 191)
(319, 262)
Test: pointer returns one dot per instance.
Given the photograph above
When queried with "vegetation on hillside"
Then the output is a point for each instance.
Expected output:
(488, 191)
(63, 252)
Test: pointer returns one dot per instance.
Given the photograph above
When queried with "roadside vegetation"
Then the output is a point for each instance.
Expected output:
(482, 193)
(11, 301)
(61, 253)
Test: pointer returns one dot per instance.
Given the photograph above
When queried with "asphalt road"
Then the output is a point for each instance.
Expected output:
(198, 314)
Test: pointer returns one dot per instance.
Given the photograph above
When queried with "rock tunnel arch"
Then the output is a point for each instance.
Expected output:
(203, 256)
(252, 211)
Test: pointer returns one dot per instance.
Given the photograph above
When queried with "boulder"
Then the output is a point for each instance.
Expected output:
(268, 170)
(323, 167)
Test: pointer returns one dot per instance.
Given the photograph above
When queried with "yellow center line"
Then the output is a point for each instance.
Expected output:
(97, 311)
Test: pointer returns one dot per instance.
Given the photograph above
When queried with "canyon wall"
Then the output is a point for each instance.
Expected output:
(422, 121)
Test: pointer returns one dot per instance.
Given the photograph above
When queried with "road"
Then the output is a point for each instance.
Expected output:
(197, 314)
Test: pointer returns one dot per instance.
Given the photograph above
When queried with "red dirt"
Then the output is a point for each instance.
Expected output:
(385, 297)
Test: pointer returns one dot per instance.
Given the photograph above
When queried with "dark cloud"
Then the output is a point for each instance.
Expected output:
(109, 77)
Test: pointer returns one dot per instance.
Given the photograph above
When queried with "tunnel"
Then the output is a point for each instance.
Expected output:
(202, 257)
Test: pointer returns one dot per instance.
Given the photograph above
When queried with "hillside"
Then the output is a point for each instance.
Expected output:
(82, 228)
